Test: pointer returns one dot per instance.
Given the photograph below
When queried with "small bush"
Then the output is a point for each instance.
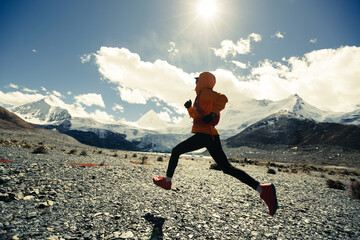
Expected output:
(40, 150)
(135, 155)
(355, 189)
(99, 152)
(115, 155)
(83, 153)
(73, 151)
(126, 156)
(271, 171)
(144, 159)
(335, 184)
(160, 159)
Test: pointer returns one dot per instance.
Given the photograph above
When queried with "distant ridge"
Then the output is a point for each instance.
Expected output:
(10, 120)
(285, 128)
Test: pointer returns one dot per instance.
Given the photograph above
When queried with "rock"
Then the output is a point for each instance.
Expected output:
(29, 197)
(31, 215)
(5, 197)
(48, 203)
(127, 235)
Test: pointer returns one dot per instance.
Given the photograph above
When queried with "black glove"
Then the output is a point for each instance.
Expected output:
(208, 118)
(188, 104)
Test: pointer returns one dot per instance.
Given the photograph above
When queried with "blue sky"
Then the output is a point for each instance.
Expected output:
(117, 60)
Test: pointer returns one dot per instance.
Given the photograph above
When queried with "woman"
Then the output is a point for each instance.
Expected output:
(206, 112)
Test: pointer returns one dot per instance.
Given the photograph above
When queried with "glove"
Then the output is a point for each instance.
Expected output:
(188, 104)
(208, 118)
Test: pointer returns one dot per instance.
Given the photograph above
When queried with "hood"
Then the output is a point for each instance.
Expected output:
(206, 80)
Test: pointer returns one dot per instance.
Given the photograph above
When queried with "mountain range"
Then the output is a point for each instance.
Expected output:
(239, 123)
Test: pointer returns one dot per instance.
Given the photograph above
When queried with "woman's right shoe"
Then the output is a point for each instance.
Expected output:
(161, 182)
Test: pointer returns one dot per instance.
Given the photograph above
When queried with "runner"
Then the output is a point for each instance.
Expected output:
(206, 114)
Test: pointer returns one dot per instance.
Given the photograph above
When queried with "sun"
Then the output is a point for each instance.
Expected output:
(207, 9)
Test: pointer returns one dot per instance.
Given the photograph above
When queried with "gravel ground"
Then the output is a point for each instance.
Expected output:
(42, 196)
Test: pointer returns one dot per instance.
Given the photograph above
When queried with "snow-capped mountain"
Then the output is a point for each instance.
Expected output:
(150, 133)
(238, 116)
(42, 112)
(151, 120)
(286, 128)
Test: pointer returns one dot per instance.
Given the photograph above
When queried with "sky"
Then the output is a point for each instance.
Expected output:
(115, 60)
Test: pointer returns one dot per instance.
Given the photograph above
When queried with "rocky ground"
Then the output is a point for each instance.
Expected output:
(45, 195)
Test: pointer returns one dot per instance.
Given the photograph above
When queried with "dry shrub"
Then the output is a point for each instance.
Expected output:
(160, 159)
(355, 189)
(335, 184)
(144, 160)
(73, 151)
(40, 150)
(83, 153)
(271, 171)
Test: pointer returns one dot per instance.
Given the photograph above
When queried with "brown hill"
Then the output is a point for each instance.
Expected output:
(11, 120)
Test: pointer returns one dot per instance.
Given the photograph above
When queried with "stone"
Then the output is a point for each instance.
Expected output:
(127, 235)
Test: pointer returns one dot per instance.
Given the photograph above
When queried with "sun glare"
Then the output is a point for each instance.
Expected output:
(207, 8)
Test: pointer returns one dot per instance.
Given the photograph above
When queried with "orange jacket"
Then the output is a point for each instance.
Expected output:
(209, 101)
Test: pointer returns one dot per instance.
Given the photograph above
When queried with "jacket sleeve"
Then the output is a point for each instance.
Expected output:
(191, 111)
(218, 99)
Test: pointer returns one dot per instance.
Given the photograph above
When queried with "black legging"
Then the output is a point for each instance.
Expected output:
(213, 145)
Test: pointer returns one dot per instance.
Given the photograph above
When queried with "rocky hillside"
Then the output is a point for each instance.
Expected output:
(286, 128)
(10, 120)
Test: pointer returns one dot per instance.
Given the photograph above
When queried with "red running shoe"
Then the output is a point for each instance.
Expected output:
(161, 182)
(269, 196)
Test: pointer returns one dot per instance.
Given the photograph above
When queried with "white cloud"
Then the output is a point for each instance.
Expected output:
(314, 40)
(327, 79)
(77, 110)
(25, 89)
(173, 50)
(34, 51)
(43, 89)
(242, 46)
(18, 98)
(56, 93)
(69, 93)
(13, 86)
(138, 81)
(135, 96)
(102, 116)
(85, 58)
(118, 107)
(240, 64)
(90, 99)
(278, 34)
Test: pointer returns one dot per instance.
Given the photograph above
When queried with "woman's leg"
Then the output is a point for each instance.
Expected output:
(193, 143)
(220, 158)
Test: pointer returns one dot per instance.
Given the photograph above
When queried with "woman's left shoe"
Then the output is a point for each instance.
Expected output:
(269, 196)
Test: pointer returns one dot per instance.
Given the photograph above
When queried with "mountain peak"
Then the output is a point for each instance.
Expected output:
(151, 120)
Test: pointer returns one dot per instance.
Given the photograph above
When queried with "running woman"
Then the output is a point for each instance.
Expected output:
(205, 113)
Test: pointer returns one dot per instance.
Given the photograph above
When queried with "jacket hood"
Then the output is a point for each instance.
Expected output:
(206, 80)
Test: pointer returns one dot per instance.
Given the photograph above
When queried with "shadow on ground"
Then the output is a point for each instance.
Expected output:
(158, 223)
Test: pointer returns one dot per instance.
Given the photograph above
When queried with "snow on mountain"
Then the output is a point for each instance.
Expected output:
(151, 133)
(151, 120)
(345, 118)
(237, 116)
(42, 112)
